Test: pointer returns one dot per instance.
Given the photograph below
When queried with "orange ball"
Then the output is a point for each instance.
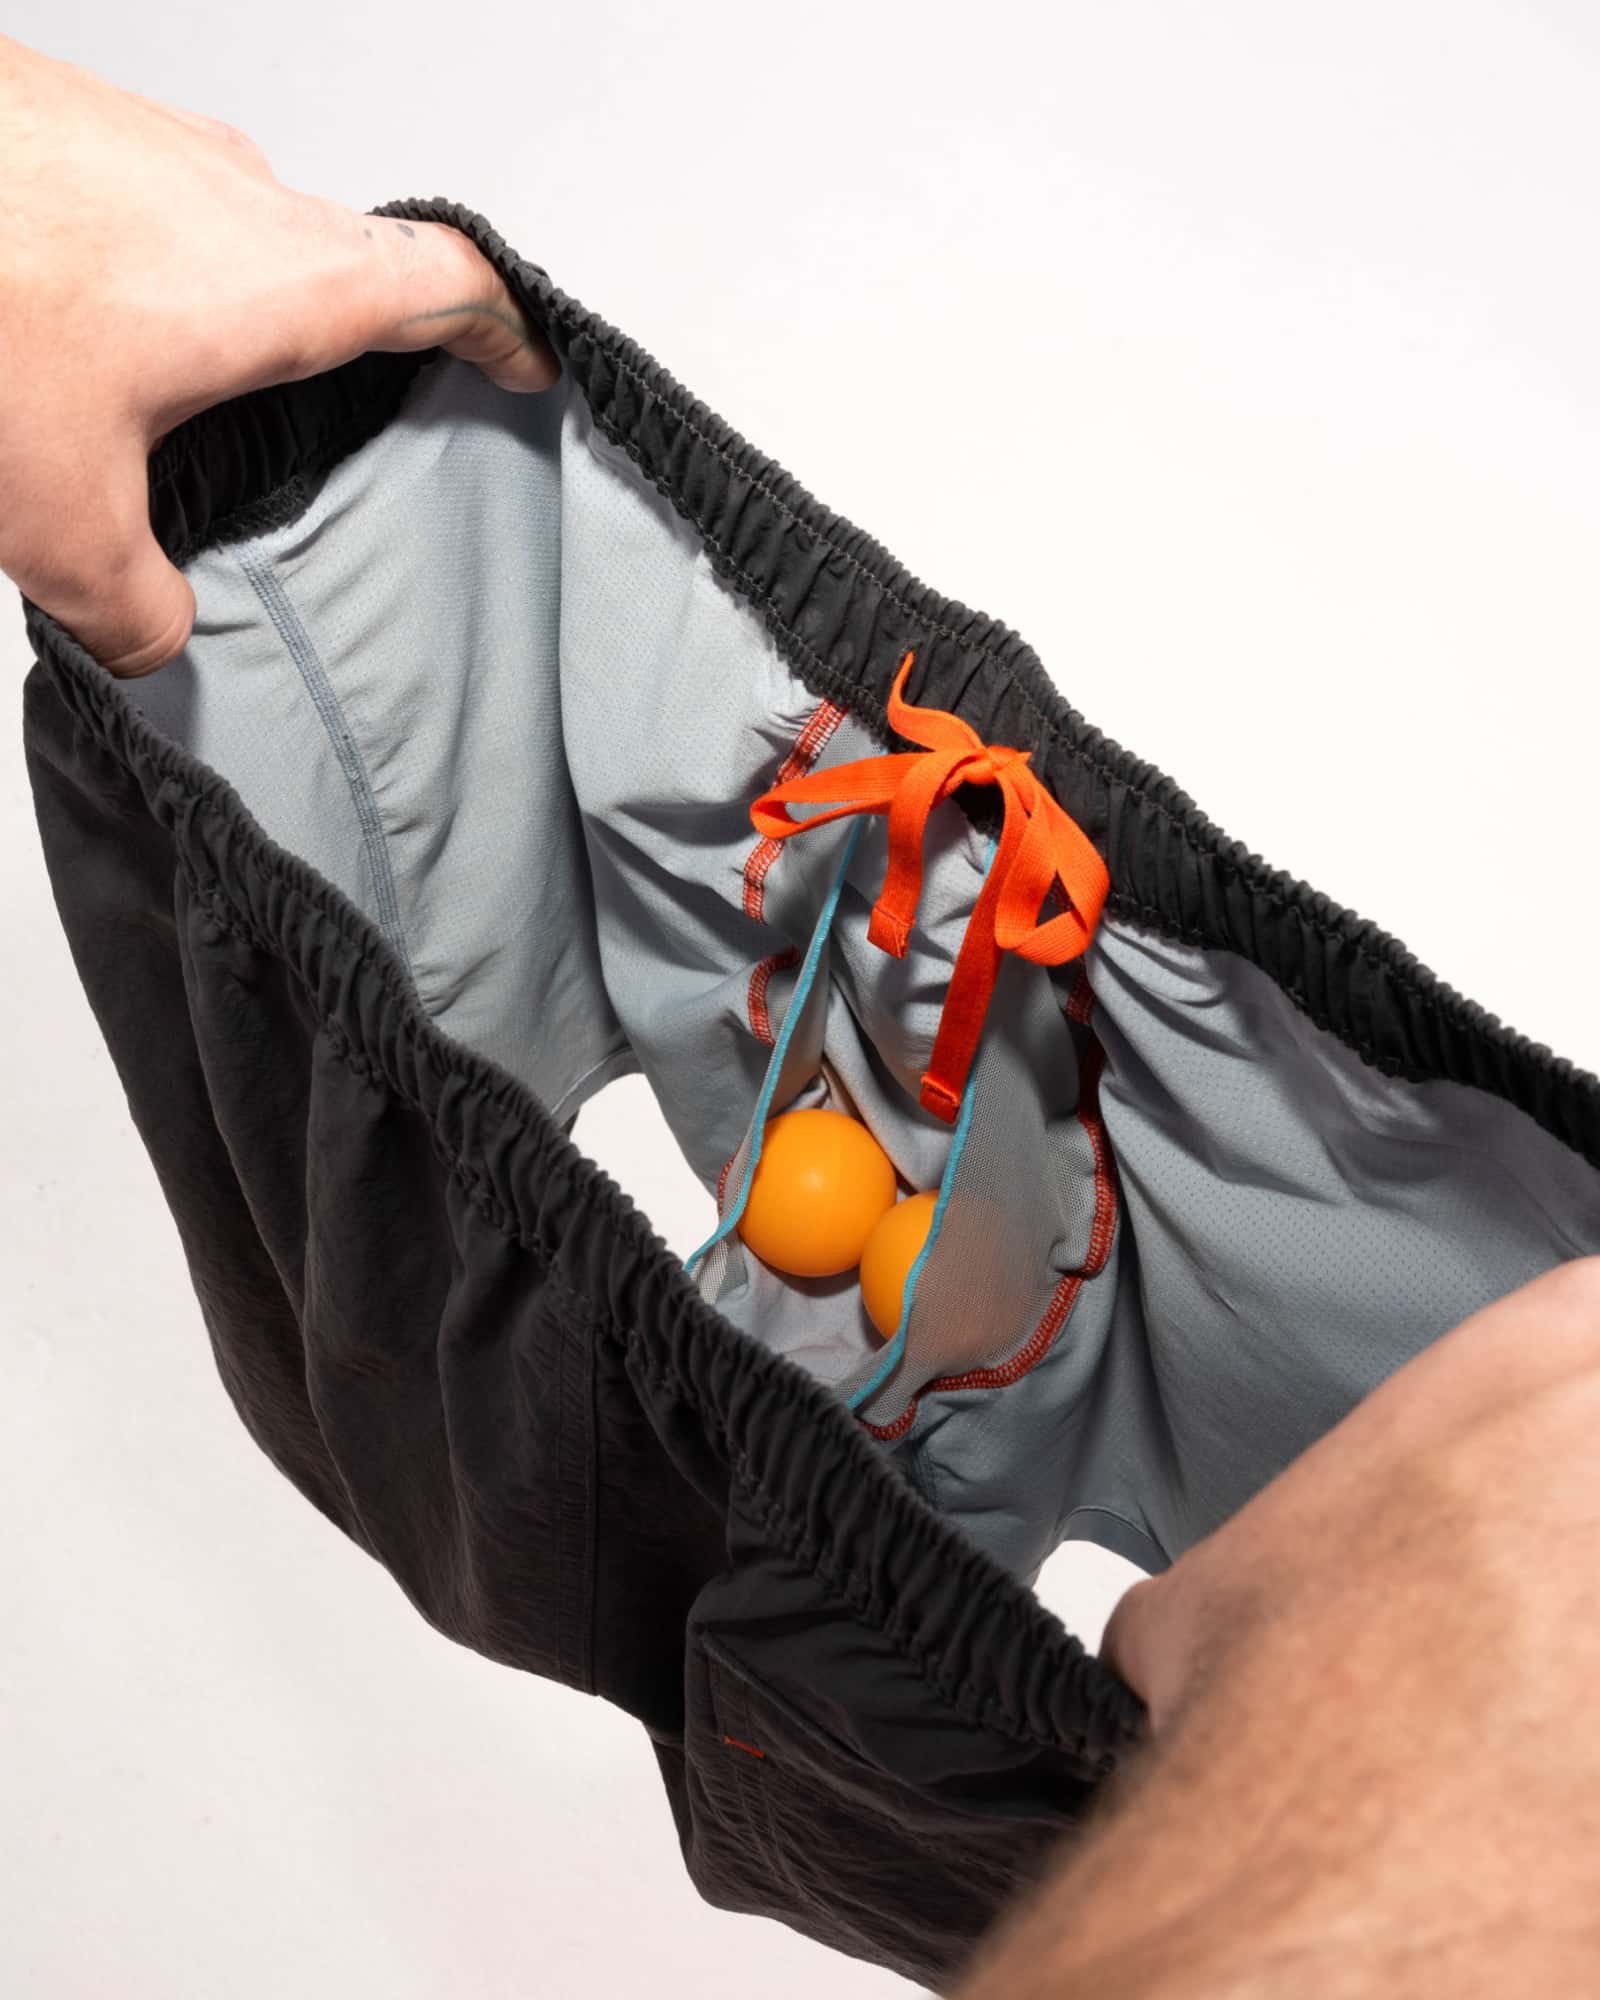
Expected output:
(821, 1184)
(892, 1248)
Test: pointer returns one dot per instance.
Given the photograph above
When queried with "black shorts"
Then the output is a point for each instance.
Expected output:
(443, 821)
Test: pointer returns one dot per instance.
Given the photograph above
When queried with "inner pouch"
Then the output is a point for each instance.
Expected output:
(457, 806)
(1015, 1175)
(517, 679)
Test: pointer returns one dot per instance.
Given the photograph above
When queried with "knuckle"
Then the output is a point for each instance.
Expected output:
(150, 639)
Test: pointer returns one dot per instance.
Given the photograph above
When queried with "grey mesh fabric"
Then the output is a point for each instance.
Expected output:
(488, 684)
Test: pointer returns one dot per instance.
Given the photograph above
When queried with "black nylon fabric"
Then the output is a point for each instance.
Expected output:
(461, 1341)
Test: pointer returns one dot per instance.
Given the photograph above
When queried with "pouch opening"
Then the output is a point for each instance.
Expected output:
(489, 684)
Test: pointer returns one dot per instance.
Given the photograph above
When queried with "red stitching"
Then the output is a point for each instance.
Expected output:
(1102, 1231)
(808, 748)
(760, 980)
(892, 1433)
(809, 745)
(749, 1749)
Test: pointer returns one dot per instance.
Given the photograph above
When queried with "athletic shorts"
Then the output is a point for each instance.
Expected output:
(443, 820)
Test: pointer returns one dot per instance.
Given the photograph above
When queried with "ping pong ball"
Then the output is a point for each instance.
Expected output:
(821, 1184)
(892, 1248)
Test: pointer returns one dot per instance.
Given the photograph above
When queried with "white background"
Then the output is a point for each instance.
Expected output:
(1245, 357)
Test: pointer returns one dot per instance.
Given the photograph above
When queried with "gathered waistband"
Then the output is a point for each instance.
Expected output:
(843, 612)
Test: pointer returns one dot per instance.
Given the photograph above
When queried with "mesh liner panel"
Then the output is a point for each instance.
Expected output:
(756, 1299)
(796, 1056)
(1021, 1199)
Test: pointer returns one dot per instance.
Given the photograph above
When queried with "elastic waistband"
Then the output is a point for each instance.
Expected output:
(843, 612)
(250, 465)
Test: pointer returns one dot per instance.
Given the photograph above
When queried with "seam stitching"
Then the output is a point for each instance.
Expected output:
(1102, 1230)
(817, 1554)
(275, 601)
(808, 747)
(756, 1000)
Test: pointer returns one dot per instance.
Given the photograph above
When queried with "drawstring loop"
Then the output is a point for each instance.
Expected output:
(1041, 850)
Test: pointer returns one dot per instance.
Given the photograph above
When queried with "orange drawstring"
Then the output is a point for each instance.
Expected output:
(1040, 846)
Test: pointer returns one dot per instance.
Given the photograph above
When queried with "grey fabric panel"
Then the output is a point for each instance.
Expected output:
(1020, 1205)
(235, 698)
(817, 1322)
(1077, 1449)
(261, 574)
(427, 574)
(829, 1060)
(492, 664)
(1304, 1224)
(1023, 1197)
(678, 713)
(886, 1011)
(1293, 1228)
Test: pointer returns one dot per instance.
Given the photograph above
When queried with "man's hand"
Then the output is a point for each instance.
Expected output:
(1375, 1709)
(150, 266)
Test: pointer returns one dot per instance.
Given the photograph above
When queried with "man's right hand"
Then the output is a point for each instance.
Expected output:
(1374, 1701)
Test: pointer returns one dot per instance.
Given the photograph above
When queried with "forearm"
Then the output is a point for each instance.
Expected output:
(1258, 1854)
(1373, 1759)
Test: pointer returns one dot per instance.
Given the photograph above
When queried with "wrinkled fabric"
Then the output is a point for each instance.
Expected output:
(461, 1341)
(467, 1348)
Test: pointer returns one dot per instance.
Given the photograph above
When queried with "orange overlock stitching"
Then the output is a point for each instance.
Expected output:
(1102, 1233)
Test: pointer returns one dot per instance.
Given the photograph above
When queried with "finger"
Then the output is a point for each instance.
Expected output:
(108, 582)
(142, 617)
(1126, 1644)
(429, 287)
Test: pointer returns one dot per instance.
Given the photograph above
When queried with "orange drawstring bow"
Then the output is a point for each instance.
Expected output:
(1040, 846)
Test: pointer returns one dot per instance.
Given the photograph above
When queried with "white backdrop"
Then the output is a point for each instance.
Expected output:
(1246, 358)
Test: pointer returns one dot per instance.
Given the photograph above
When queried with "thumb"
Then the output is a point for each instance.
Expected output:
(147, 617)
(106, 579)
(424, 284)
(1163, 1635)
(1128, 1642)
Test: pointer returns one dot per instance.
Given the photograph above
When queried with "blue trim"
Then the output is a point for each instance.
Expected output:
(897, 1346)
(780, 1048)
(947, 1180)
